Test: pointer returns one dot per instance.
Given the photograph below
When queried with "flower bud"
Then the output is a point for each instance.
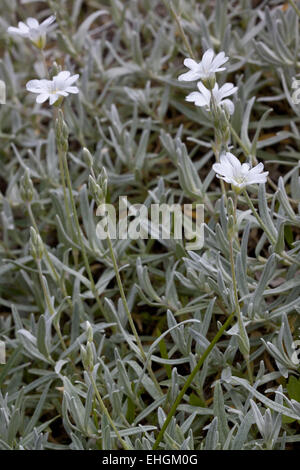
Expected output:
(89, 332)
(90, 356)
(36, 245)
(87, 357)
(26, 187)
(62, 133)
(83, 355)
(98, 188)
(87, 156)
(230, 207)
(55, 69)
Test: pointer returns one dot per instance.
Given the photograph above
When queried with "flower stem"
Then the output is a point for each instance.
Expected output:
(85, 258)
(105, 411)
(191, 378)
(44, 63)
(180, 28)
(293, 4)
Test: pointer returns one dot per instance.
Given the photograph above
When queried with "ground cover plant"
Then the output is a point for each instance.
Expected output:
(149, 343)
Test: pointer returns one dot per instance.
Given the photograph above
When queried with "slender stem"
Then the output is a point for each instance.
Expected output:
(217, 155)
(63, 182)
(218, 143)
(191, 378)
(105, 411)
(129, 316)
(238, 139)
(62, 175)
(44, 62)
(180, 28)
(85, 258)
(293, 4)
(258, 218)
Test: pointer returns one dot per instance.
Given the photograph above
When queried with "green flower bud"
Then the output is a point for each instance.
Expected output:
(87, 156)
(26, 187)
(102, 179)
(89, 332)
(36, 245)
(87, 357)
(62, 133)
(83, 355)
(230, 207)
(95, 190)
(98, 188)
(90, 357)
(55, 69)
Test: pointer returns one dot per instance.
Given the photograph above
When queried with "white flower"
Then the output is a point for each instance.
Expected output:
(59, 86)
(231, 170)
(33, 30)
(204, 69)
(204, 97)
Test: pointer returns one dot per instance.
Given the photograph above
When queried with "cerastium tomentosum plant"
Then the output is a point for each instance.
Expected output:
(143, 343)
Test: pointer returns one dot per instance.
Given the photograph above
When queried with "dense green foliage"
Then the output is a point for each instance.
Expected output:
(58, 286)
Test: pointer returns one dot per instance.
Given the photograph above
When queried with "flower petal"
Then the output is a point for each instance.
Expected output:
(257, 169)
(32, 23)
(204, 91)
(219, 60)
(207, 59)
(53, 98)
(42, 97)
(72, 89)
(192, 96)
(228, 105)
(38, 86)
(190, 64)
(23, 27)
(189, 76)
(48, 21)
(233, 161)
(227, 89)
(12, 30)
(72, 79)
(64, 75)
(257, 179)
